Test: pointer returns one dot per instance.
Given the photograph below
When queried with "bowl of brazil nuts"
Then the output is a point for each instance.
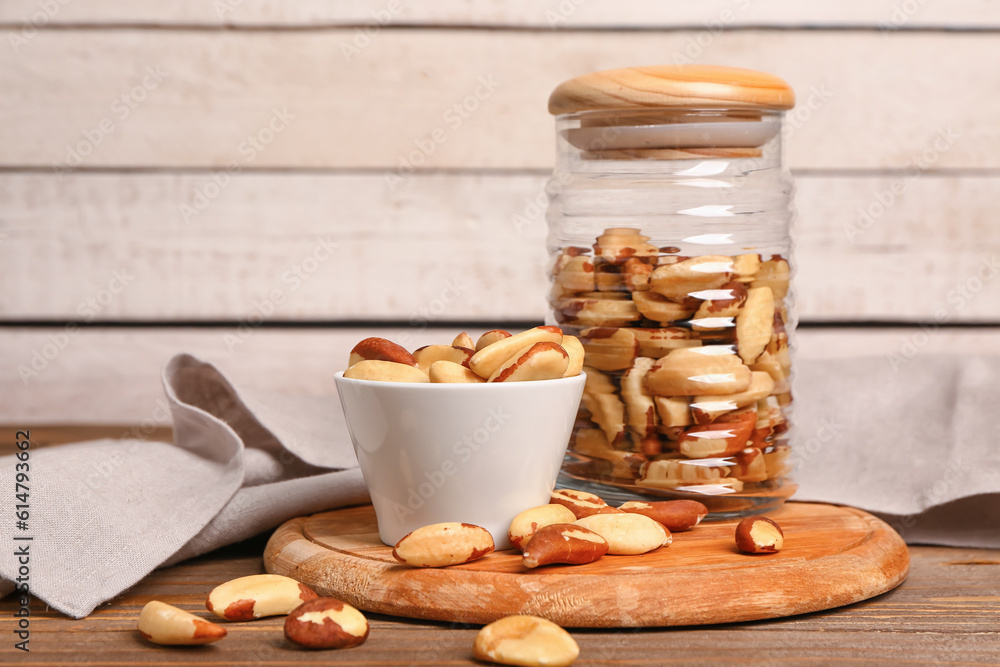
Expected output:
(471, 432)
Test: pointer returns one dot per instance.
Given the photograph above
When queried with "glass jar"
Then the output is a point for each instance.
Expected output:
(670, 247)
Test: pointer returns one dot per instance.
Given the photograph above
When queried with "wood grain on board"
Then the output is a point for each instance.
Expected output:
(453, 246)
(879, 14)
(473, 99)
(113, 375)
(832, 556)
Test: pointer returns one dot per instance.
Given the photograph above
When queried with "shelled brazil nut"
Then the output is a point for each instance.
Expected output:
(687, 362)
(541, 353)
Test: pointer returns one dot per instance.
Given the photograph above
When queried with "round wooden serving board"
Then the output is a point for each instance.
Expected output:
(832, 556)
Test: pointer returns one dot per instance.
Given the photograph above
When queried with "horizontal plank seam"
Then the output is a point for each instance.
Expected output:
(439, 324)
(124, 170)
(500, 27)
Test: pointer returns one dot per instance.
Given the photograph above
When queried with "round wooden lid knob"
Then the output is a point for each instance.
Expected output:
(673, 86)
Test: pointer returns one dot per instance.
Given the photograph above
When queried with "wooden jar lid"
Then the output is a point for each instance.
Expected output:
(674, 86)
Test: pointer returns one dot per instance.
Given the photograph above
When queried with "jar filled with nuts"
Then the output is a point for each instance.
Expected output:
(669, 237)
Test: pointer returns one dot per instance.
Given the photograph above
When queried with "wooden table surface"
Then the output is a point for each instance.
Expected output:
(947, 612)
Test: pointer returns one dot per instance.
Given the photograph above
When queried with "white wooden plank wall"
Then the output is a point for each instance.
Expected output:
(662, 14)
(118, 121)
(101, 375)
(868, 100)
(444, 244)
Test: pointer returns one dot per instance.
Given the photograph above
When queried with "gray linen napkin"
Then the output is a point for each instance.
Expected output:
(105, 513)
(917, 443)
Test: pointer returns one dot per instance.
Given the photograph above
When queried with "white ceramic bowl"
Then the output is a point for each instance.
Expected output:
(474, 453)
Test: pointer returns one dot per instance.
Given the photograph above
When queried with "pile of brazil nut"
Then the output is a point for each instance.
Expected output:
(542, 353)
(687, 362)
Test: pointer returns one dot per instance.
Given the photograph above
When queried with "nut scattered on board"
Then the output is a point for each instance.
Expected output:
(165, 624)
(528, 641)
(257, 596)
(581, 503)
(627, 534)
(443, 544)
(759, 535)
(524, 525)
(563, 543)
(675, 515)
(325, 623)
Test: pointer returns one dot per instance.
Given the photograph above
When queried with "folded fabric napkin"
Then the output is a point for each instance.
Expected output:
(107, 513)
(916, 445)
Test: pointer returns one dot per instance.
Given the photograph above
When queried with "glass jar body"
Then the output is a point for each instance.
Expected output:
(671, 259)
